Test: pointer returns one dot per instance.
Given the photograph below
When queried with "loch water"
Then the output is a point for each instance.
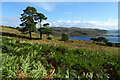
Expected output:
(111, 39)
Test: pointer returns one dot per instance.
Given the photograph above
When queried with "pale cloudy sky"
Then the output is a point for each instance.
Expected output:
(101, 15)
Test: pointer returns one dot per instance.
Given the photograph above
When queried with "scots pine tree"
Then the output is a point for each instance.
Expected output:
(40, 17)
(28, 19)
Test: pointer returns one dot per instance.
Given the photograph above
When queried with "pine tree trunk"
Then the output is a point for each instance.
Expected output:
(47, 34)
(30, 34)
(40, 30)
(40, 35)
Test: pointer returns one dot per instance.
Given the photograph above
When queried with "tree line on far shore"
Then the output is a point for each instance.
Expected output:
(105, 42)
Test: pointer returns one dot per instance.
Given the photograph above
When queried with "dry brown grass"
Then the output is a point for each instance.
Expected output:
(87, 45)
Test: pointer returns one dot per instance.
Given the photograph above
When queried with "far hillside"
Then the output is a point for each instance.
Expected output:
(112, 31)
(74, 31)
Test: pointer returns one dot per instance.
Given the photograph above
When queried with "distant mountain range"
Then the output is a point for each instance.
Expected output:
(75, 31)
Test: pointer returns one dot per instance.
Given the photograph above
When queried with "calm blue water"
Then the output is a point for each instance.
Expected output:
(111, 39)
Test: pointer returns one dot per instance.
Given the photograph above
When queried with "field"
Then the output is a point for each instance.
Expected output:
(55, 58)
(88, 45)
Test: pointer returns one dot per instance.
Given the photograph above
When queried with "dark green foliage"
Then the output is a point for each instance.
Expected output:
(9, 27)
(100, 39)
(62, 49)
(23, 29)
(44, 30)
(110, 44)
(49, 38)
(64, 37)
(18, 28)
(72, 41)
(79, 51)
(17, 41)
(28, 20)
(117, 44)
(46, 24)
(68, 63)
(113, 44)
(94, 39)
(40, 17)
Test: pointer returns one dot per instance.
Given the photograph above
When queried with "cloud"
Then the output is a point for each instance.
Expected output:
(43, 22)
(47, 6)
(110, 24)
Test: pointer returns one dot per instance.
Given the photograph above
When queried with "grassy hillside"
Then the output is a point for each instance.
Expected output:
(24, 58)
(74, 31)
(88, 45)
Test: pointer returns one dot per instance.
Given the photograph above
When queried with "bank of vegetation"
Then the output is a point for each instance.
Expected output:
(26, 60)
(105, 42)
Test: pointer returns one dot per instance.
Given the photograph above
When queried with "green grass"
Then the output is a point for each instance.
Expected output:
(71, 44)
(73, 59)
(78, 63)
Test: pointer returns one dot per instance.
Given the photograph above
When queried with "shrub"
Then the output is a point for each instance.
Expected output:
(17, 41)
(94, 39)
(64, 37)
(110, 44)
(62, 49)
(79, 51)
(113, 45)
(100, 39)
(117, 44)
(49, 38)
(18, 28)
(72, 41)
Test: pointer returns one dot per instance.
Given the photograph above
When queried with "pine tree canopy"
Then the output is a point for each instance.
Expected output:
(28, 18)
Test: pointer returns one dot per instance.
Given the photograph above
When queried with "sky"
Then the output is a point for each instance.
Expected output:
(101, 15)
